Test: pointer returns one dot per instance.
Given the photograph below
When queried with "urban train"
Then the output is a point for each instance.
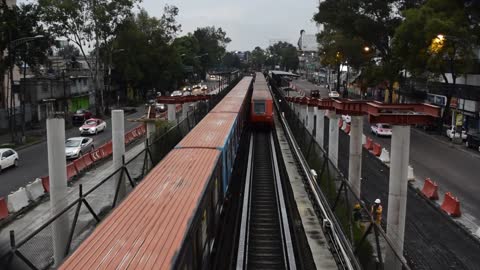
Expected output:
(261, 108)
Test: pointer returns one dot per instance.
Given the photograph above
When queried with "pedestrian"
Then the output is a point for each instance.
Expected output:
(357, 214)
(376, 211)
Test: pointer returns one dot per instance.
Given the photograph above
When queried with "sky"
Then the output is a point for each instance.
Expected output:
(249, 23)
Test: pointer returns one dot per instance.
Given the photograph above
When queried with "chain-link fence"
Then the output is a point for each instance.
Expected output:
(364, 233)
(88, 203)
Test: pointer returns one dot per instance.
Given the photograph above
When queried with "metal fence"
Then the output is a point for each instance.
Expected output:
(367, 238)
(94, 200)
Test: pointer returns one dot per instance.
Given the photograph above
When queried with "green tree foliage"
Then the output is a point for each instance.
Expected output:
(151, 58)
(418, 44)
(231, 60)
(189, 49)
(212, 43)
(258, 58)
(283, 54)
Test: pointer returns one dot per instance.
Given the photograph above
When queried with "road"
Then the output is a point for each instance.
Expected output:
(453, 167)
(307, 86)
(34, 159)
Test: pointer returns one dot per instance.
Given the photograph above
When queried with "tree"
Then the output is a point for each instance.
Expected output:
(153, 58)
(87, 22)
(436, 38)
(189, 49)
(212, 43)
(285, 55)
(231, 60)
(258, 58)
(374, 23)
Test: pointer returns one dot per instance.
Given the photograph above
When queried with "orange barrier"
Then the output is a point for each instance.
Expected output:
(79, 164)
(430, 189)
(88, 160)
(135, 133)
(3, 208)
(340, 123)
(377, 149)
(369, 144)
(451, 205)
(106, 149)
(347, 129)
(71, 171)
(46, 183)
(96, 155)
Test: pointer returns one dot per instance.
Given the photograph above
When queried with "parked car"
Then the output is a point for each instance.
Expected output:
(8, 158)
(381, 130)
(454, 132)
(186, 88)
(159, 107)
(187, 93)
(473, 140)
(77, 146)
(346, 118)
(197, 92)
(93, 126)
(196, 87)
(334, 94)
(176, 93)
(80, 116)
(205, 88)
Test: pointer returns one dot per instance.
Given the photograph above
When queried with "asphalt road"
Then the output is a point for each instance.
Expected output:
(454, 167)
(34, 159)
(307, 86)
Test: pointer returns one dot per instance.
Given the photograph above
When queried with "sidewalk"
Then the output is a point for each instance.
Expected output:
(100, 200)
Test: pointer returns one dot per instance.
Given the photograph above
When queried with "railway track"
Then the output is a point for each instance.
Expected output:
(265, 241)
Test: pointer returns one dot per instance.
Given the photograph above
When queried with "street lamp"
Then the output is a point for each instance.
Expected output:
(11, 48)
(366, 49)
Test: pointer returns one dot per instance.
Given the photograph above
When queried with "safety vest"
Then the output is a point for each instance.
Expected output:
(377, 213)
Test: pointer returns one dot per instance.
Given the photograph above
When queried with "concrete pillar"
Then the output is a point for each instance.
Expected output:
(172, 112)
(303, 114)
(185, 109)
(58, 186)
(397, 194)
(151, 129)
(320, 127)
(310, 114)
(355, 157)
(333, 138)
(118, 141)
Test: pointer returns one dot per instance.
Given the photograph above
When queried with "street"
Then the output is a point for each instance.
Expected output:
(451, 166)
(34, 159)
(307, 86)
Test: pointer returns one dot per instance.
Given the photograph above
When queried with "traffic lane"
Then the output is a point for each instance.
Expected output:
(307, 86)
(454, 169)
(34, 160)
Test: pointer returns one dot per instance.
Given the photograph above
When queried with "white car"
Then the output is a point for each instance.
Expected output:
(176, 94)
(334, 94)
(76, 147)
(8, 158)
(346, 118)
(93, 126)
(204, 88)
(381, 130)
(452, 131)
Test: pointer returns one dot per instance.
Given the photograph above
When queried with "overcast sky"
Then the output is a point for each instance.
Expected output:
(248, 23)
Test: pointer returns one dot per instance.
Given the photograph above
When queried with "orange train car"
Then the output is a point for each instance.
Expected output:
(261, 109)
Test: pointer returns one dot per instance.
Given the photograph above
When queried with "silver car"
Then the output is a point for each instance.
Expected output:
(77, 146)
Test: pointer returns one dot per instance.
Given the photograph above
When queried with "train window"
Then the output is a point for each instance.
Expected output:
(203, 228)
(215, 192)
(259, 107)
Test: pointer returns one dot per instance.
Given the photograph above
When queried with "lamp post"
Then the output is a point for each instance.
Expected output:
(11, 48)
(109, 74)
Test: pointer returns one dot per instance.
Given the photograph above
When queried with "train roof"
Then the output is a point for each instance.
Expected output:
(261, 95)
(229, 105)
(148, 228)
(211, 132)
(241, 89)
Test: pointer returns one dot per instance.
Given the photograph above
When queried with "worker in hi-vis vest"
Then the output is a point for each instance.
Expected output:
(376, 211)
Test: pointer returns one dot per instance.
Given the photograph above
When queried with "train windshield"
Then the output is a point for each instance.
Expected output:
(259, 107)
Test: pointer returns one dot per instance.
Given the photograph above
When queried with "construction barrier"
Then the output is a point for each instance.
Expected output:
(364, 139)
(340, 123)
(377, 149)
(80, 164)
(35, 190)
(88, 160)
(430, 189)
(451, 205)
(385, 156)
(107, 149)
(347, 129)
(96, 155)
(369, 144)
(411, 175)
(3, 208)
(17, 200)
(71, 171)
(46, 183)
